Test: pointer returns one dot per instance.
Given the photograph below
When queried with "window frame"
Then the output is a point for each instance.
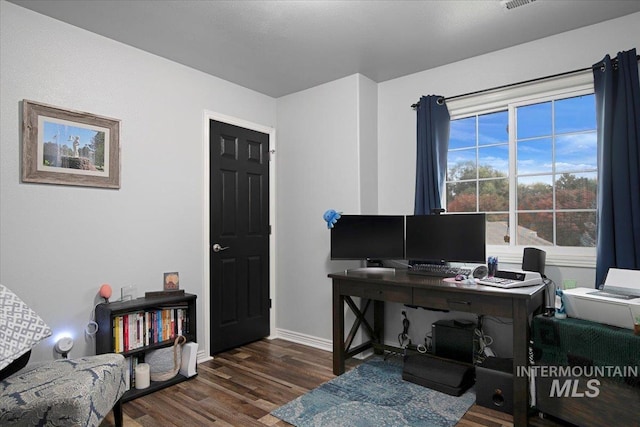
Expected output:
(508, 98)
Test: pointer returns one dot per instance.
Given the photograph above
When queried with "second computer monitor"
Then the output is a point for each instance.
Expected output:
(444, 238)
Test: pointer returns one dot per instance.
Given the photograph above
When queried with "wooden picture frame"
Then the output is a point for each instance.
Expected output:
(171, 281)
(67, 147)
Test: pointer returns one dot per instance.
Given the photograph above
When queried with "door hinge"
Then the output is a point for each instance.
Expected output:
(270, 303)
(269, 229)
(271, 153)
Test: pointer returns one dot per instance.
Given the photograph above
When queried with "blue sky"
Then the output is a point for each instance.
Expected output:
(61, 132)
(572, 120)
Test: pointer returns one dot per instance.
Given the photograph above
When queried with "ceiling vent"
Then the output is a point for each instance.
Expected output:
(512, 4)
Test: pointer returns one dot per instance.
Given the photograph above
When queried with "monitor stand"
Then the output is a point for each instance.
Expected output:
(373, 266)
(374, 263)
(372, 270)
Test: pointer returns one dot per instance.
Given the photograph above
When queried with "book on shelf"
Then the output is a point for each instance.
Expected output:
(125, 323)
(127, 378)
(138, 329)
(132, 371)
(121, 332)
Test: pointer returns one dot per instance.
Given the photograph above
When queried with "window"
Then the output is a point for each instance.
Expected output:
(530, 163)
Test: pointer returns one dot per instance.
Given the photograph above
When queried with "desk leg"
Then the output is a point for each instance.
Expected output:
(520, 358)
(378, 325)
(338, 330)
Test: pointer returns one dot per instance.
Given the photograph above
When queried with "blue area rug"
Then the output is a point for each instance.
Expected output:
(374, 394)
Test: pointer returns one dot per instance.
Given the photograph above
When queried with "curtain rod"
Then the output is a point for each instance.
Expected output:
(566, 73)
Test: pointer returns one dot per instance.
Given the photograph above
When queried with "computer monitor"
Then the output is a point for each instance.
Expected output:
(368, 237)
(445, 238)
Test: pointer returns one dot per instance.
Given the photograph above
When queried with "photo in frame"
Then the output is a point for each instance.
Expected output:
(171, 281)
(67, 147)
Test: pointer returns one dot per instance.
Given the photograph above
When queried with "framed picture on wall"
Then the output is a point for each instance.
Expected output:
(67, 147)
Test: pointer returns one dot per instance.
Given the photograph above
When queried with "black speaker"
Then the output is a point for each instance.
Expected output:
(480, 272)
(446, 376)
(534, 259)
(494, 384)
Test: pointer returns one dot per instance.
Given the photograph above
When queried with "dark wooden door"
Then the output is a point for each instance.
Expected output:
(239, 235)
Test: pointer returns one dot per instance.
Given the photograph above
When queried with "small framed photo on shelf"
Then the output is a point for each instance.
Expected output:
(171, 281)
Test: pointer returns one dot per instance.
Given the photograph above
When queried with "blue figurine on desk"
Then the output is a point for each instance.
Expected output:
(561, 311)
(331, 217)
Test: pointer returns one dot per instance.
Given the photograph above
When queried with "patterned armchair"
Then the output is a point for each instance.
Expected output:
(65, 392)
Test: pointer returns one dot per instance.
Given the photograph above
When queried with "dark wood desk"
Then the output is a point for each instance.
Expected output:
(380, 285)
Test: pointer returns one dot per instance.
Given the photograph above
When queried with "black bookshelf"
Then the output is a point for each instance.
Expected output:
(106, 312)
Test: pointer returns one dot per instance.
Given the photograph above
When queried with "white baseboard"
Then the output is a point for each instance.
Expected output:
(311, 341)
(203, 357)
(297, 337)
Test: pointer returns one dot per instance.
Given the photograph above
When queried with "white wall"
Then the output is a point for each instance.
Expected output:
(60, 243)
(317, 170)
(368, 144)
(396, 124)
(327, 159)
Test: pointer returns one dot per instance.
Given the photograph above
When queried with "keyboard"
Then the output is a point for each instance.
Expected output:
(438, 270)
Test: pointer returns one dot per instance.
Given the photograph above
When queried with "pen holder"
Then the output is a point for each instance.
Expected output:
(492, 266)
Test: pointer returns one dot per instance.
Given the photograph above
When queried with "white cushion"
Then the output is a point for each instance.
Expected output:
(20, 327)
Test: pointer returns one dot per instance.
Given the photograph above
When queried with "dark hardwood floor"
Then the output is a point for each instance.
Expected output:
(242, 386)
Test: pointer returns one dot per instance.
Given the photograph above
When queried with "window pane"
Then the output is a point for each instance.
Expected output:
(461, 196)
(576, 191)
(462, 133)
(493, 128)
(497, 229)
(461, 164)
(494, 195)
(493, 161)
(575, 114)
(554, 146)
(535, 193)
(576, 229)
(576, 152)
(535, 229)
(534, 120)
(534, 156)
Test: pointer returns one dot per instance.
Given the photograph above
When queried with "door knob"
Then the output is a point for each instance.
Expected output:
(218, 248)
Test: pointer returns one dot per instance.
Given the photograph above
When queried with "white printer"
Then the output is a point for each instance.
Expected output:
(617, 303)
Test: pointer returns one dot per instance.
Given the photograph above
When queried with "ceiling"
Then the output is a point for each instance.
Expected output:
(280, 47)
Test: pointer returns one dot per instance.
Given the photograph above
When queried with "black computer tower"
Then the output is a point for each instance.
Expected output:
(453, 339)
(494, 384)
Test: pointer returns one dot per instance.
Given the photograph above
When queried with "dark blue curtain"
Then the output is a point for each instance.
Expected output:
(617, 94)
(431, 159)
